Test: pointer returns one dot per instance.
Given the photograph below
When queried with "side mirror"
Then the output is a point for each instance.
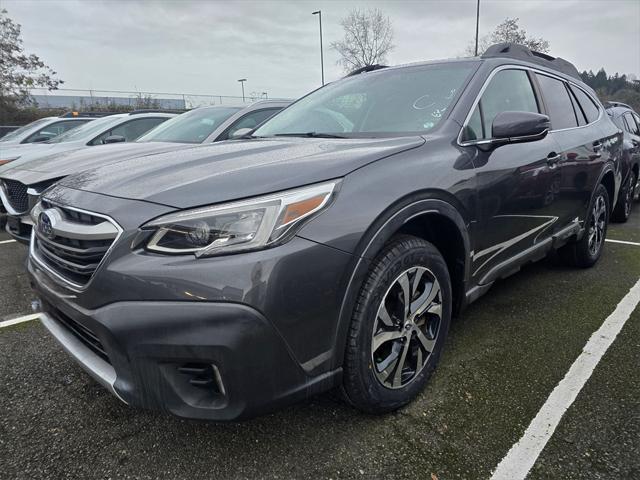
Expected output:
(241, 132)
(40, 138)
(114, 139)
(516, 127)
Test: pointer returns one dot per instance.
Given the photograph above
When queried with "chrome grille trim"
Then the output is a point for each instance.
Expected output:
(51, 249)
(12, 208)
(75, 230)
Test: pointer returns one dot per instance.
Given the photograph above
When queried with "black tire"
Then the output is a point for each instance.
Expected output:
(583, 253)
(429, 286)
(622, 211)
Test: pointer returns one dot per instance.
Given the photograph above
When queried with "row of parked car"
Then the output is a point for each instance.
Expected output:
(31, 165)
(230, 261)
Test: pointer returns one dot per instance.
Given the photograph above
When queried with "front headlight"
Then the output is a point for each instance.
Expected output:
(237, 226)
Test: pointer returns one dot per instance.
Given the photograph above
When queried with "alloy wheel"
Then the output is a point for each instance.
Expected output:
(597, 225)
(406, 328)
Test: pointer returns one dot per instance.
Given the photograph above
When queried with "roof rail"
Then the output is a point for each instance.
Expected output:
(156, 110)
(366, 68)
(86, 114)
(613, 103)
(520, 52)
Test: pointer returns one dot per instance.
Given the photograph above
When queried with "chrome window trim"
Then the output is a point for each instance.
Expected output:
(65, 281)
(525, 68)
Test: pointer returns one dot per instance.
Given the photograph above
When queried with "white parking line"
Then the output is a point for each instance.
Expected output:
(523, 455)
(14, 321)
(6, 241)
(622, 241)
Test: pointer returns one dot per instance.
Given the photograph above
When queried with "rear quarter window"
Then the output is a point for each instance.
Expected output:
(589, 108)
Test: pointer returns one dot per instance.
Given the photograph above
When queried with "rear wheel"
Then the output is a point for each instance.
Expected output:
(623, 209)
(585, 252)
(398, 327)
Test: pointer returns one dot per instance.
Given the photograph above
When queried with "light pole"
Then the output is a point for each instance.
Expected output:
(319, 13)
(477, 24)
(265, 95)
(242, 80)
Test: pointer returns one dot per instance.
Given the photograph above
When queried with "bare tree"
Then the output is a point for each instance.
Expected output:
(368, 36)
(509, 32)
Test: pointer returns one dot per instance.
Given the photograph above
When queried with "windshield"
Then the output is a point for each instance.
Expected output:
(19, 131)
(404, 100)
(90, 129)
(191, 127)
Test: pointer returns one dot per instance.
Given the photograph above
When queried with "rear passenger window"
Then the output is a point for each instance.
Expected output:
(589, 108)
(508, 91)
(558, 103)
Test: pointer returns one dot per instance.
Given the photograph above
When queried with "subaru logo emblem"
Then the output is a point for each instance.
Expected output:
(45, 226)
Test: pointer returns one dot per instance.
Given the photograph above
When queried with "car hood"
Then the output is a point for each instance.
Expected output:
(60, 165)
(235, 169)
(32, 151)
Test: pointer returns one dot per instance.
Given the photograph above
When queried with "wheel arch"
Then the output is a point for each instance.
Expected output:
(607, 178)
(429, 215)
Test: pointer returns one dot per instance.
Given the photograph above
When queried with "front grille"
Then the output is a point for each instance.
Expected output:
(17, 195)
(81, 332)
(75, 245)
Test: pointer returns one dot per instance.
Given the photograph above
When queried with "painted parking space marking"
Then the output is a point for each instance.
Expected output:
(14, 321)
(523, 455)
(7, 241)
(610, 240)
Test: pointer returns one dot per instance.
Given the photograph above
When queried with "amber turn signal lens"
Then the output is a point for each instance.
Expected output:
(298, 209)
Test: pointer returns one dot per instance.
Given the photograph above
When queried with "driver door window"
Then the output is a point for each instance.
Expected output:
(130, 130)
(508, 91)
(250, 120)
(53, 130)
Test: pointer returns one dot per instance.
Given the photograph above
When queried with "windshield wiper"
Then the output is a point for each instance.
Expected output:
(310, 135)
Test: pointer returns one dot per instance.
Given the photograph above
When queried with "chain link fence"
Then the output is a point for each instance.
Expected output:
(79, 99)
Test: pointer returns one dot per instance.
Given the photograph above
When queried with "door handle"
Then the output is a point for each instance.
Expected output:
(553, 158)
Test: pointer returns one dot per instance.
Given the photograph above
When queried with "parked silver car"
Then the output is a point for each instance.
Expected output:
(122, 127)
(22, 183)
(42, 130)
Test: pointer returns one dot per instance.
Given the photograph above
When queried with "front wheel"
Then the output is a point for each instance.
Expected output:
(623, 209)
(398, 327)
(585, 252)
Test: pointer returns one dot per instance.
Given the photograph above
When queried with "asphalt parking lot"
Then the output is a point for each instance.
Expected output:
(503, 359)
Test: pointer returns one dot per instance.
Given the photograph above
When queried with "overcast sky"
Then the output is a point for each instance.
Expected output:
(205, 46)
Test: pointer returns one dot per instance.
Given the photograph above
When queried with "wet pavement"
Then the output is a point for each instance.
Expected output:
(503, 358)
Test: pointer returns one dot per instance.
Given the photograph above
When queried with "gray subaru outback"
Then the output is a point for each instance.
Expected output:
(332, 246)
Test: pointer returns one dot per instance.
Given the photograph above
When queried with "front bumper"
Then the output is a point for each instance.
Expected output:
(262, 323)
(149, 361)
(19, 227)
